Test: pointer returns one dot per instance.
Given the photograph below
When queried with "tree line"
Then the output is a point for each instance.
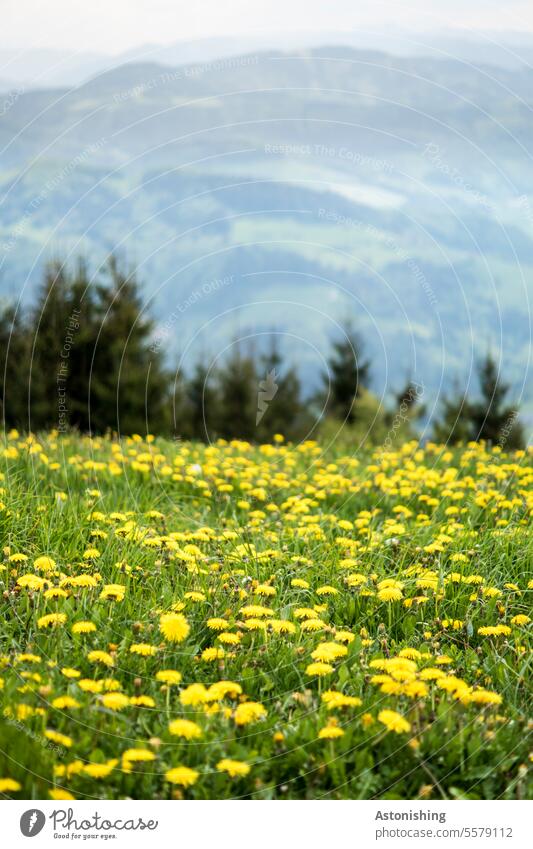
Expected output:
(83, 358)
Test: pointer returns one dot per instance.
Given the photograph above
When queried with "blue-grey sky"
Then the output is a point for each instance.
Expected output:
(112, 26)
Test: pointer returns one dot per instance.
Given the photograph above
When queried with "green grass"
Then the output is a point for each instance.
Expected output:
(451, 528)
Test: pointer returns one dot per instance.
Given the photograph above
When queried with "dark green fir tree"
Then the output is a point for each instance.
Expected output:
(201, 402)
(493, 419)
(279, 403)
(347, 375)
(129, 387)
(238, 387)
(14, 368)
(455, 421)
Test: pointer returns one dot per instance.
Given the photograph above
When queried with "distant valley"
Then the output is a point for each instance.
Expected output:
(287, 192)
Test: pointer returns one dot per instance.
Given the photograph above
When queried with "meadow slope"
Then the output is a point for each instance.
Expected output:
(191, 621)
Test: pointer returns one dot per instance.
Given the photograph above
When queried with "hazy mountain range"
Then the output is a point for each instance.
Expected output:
(290, 191)
(48, 67)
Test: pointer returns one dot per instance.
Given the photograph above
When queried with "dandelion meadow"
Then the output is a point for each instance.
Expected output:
(278, 621)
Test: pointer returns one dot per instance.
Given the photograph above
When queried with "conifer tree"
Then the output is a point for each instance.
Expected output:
(487, 418)
(238, 388)
(49, 329)
(409, 398)
(201, 402)
(80, 334)
(455, 422)
(348, 373)
(408, 407)
(279, 402)
(14, 362)
(129, 388)
(493, 419)
(181, 410)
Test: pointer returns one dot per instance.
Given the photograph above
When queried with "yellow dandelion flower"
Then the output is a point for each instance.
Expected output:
(235, 769)
(69, 672)
(223, 689)
(31, 582)
(116, 592)
(332, 699)
(300, 584)
(98, 656)
(394, 721)
(330, 732)
(211, 654)
(520, 619)
(65, 703)
(83, 627)
(168, 676)
(182, 775)
(174, 627)
(9, 785)
(115, 701)
(256, 611)
(248, 712)
(136, 756)
(142, 701)
(390, 594)
(17, 557)
(494, 630)
(185, 728)
(319, 669)
(485, 697)
(329, 652)
(52, 620)
(194, 694)
(217, 623)
(312, 625)
(44, 564)
(95, 770)
(229, 639)
(57, 737)
(281, 626)
(58, 794)
(143, 649)
(88, 685)
(55, 592)
(327, 590)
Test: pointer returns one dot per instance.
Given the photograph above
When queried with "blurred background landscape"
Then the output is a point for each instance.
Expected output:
(288, 185)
